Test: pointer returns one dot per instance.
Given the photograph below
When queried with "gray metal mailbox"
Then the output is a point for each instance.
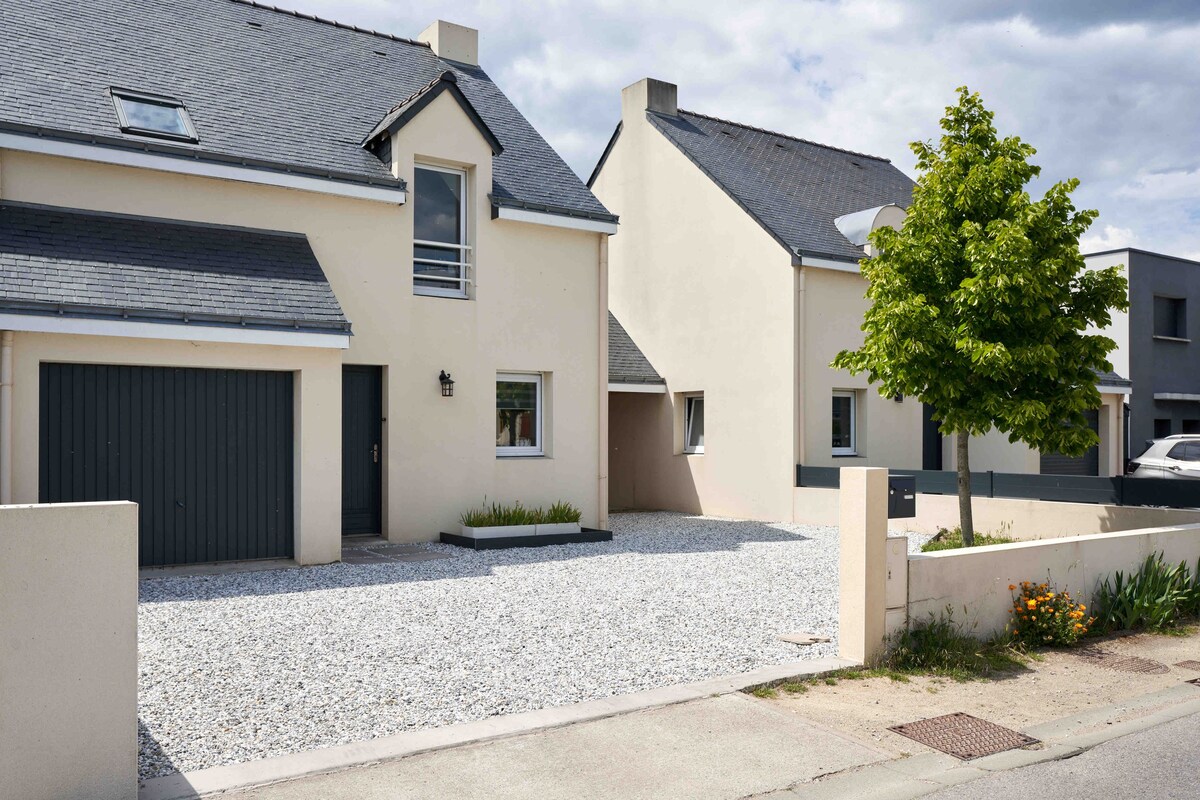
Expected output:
(902, 496)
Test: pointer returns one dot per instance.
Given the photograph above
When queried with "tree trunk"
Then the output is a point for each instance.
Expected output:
(964, 490)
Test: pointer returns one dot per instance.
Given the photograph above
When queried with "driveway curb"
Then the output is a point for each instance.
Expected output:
(214, 780)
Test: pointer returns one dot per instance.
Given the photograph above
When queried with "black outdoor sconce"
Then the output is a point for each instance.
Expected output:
(447, 384)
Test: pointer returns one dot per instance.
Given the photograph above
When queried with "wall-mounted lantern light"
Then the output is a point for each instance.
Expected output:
(447, 384)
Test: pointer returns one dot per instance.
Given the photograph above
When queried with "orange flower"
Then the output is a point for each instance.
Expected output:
(1011, 586)
(1032, 603)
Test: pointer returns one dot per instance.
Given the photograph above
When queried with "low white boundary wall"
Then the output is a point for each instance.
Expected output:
(1021, 519)
(68, 651)
(974, 582)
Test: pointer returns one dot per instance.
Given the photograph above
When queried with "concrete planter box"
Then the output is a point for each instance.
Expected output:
(557, 527)
(498, 531)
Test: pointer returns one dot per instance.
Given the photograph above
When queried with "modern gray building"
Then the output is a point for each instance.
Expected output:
(1158, 343)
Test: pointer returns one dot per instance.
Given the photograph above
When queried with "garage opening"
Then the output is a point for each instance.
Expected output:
(206, 453)
(1087, 464)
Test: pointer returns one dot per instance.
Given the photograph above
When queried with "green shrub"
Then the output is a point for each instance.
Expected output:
(951, 539)
(1156, 597)
(517, 514)
(940, 646)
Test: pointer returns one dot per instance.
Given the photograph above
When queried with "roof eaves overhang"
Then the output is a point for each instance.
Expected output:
(152, 324)
(555, 216)
(190, 160)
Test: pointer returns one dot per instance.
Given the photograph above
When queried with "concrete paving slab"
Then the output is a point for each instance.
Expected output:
(682, 751)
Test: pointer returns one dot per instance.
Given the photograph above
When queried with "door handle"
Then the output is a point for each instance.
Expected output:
(375, 452)
(1174, 468)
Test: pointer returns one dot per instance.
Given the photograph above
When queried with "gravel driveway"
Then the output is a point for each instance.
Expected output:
(244, 666)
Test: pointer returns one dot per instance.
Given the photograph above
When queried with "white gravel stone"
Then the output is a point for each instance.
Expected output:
(251, 665)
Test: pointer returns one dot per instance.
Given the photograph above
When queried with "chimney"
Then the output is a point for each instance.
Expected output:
(452, 42)
(648, 94)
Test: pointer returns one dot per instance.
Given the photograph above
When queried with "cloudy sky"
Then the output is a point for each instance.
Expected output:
(1107, 91)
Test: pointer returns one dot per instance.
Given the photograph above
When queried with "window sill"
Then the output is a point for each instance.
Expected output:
(847, 455)
(1172, 339)
(419, 292)
(692, 453)
(520, 455)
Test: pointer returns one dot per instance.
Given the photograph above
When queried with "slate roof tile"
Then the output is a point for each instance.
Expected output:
(295, 91)
(110, 264)
(794, 188)
(626, 363)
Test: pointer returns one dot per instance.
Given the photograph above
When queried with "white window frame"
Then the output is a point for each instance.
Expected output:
(688, 449)
(455, 287)
(852, 450)
(539, 416)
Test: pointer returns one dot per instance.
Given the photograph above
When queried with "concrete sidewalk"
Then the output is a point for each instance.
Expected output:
(711, 749)
(705, 741)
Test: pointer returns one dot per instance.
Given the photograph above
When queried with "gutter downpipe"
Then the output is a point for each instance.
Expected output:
(602, 483)
(6, 430)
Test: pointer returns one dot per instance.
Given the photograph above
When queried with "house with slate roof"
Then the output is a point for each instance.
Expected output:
(736, 274)
(280, 280)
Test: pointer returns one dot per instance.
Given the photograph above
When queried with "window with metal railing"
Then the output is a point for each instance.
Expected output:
(441, 255)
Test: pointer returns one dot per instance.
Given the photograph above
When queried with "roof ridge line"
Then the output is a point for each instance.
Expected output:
(314, 18)
(773, 133)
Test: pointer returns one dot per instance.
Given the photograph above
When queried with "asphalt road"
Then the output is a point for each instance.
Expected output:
(1162, 763)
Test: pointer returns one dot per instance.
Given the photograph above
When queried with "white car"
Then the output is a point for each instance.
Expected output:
(1172, 457)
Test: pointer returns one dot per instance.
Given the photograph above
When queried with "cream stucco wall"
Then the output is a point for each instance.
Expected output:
(718, 307)
(68, 652)
(708, 297)
(1014, 518)
(536, 306)
(977, 580)
(888, 432)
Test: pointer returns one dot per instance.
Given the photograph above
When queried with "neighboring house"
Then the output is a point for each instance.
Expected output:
(736, 273)
(240, 246)
(1158, 343)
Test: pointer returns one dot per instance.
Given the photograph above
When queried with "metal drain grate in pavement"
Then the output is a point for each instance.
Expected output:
(1120, 663)
(1191, 664)
(963, 736)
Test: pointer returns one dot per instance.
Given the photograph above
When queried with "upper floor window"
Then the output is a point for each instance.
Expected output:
(1170, 317)
(152, 115)
(440, 252)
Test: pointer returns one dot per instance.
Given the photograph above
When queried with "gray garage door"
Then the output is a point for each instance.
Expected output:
(1087, 464)
(206, 453)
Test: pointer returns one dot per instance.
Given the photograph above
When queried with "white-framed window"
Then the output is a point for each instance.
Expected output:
(519, 414)
(152, 115)
(693, 423)
(845, 423)
(441, 256)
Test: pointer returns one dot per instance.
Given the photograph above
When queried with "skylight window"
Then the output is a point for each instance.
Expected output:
(152, 115)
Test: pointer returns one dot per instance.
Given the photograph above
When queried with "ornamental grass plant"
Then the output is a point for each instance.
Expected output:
(498, 514)
(1157, 597)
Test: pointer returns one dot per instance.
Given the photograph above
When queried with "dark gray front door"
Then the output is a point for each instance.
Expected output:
(362, 443)
(207, 454)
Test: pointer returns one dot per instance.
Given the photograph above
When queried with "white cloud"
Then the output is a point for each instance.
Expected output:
(1108, 92)
(1110, 238)
(1177, 185)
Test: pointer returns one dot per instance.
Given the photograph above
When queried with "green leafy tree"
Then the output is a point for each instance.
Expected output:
(981, 299)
